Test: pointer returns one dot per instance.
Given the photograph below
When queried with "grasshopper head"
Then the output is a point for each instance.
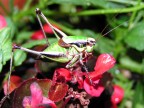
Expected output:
(90, 44)
(91, 41)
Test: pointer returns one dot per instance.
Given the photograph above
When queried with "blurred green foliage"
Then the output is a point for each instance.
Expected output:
(123, 21)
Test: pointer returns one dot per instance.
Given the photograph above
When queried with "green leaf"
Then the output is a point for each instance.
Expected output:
(138, 96)
(135, 37)
(22, 36)
(19, 57)
(5, 46)
(130, 64)
(105, 45)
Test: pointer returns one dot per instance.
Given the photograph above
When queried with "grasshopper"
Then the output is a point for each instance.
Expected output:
(72, 50)
(68, 49)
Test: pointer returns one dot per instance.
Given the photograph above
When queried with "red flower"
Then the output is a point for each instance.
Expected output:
(37, 100)
(114, 105)
(48, 30)
(15, 81)
(93, 89)
(3, 22)
(38, 35)
(61, 75)
(117, 95)
(103, 64)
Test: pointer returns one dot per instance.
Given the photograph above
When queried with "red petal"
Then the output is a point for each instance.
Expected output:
(93, 90)
(114, 105)
(36, 94)
(80, 83)
(57, 92)
(104, 63)
(117, 95)
(47, 28)
(62, 75)
(38, 35)
(3, 22)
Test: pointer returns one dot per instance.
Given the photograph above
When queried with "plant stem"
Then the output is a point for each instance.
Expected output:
(109, 11)
(3, 7)
(133, 15)
(27, 5)
(129, 64)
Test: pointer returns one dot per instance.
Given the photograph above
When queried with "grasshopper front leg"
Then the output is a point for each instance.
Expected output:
(79, 59)
(73, 62)
(85, 68)
(78, 49)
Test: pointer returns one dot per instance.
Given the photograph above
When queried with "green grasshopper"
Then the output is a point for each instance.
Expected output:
(72, 50)
(68, 49)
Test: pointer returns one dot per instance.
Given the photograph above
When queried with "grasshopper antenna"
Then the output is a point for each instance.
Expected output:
(37, 15)
(54, 29)
(110, 30)
(108, 24)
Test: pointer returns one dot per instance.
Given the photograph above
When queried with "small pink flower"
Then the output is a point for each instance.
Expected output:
(38, 35)
(37, 100)
(117, 95)
(3, 22)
